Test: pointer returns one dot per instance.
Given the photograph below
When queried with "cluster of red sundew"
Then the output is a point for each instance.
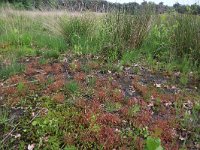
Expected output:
(15, 79)
(9, 90)
(80, 77)
(59, 97)
(30, 71)
(147, 119)
(41, 78)
(165, 130)
(139, 143)
(109, 119)
(55, 86)
(57, 68)
(106, 89)
(48, 68)
(13, 100)
(108, 138)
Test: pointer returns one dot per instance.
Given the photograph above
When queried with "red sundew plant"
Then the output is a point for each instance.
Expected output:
(117, 95)
(108, 138)
(60, 76)
(132, 101)
(69, 138)
(101, 95)
(12, 101)
(101, 82)
(171, 146)
(15, 79)
(88, 136)
(109, 119)
(34, 63)
(167, 133)
(139, 143)
(165, 111)
(81, 103)
(59, 97)
(56, 86)
(30, 71)
(167, 98)
(41, 78)
(80, 76)
(143, 104)
(124, 112)
(143, 119)
(57, 68)
(88, 117)
(32, 87)
(95, 106)
(48, 68)
(10, 90)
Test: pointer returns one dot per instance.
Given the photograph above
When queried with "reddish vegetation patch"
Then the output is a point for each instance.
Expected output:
(150, 110)
(108, 138)
(59, 98)
(109, 119)
(53, 87)
(80, 77)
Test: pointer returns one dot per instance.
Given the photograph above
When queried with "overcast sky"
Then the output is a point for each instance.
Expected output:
(166, 2)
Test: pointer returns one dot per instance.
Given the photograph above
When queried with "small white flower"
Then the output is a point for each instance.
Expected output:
(158, 85)
(17, 135)
(33, 114)
(31, 146)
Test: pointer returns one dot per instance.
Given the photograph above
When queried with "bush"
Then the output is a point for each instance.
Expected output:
(75, 29)
(186, 36)
(107, 34)
(174, 39)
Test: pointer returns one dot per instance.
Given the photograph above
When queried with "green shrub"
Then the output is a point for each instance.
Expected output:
(173, 41)
(76, 29)
(186, 36)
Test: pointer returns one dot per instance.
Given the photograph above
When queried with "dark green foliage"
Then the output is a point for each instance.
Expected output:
(174, 40)
(186, 37)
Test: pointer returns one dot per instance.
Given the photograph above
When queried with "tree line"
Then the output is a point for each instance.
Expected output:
(101, 6)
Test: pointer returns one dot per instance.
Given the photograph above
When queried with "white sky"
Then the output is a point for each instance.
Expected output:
(166, 2)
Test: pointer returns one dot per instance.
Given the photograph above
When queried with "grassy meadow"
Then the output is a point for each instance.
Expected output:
(99, 80)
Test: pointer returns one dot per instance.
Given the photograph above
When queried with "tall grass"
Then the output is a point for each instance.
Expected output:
(79, 32)
(23, 33)
(109, 33)
(19, 29)
(186, 36)
(174, 39)
(168, 38)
